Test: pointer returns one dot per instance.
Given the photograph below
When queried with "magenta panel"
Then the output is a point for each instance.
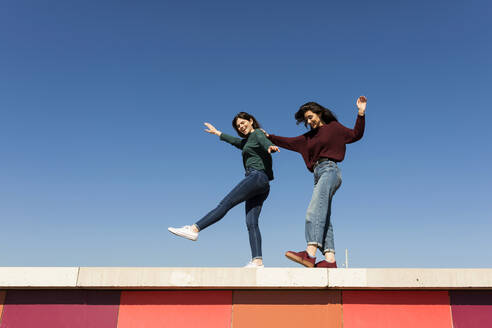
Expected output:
(471, 308)
(60, 308)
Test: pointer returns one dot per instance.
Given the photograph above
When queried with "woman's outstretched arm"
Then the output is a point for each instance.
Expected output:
(352, 135)
(265, 143)
(237, 142)
(211, 129)
(293, 143)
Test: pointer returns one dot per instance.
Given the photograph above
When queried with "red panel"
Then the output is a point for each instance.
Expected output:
(60, 308)
(471, 308)
(175, 309)
(254, 309)
(402, 309)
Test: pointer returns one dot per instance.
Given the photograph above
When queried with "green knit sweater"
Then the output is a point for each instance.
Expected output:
(255, 150)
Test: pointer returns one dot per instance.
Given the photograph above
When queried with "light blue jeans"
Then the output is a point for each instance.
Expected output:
(319, 228)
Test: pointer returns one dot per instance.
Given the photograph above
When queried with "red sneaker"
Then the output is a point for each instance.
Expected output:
(301, 258)
(326, 264)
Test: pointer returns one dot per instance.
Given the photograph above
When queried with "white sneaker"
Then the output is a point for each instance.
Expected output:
(253, 265)
(185, 232)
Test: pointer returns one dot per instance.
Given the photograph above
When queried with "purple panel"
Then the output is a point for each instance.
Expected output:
(471, 308)
(60, 308)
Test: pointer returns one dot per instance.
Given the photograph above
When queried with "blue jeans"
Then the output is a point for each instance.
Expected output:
(253, 189)
(319, 229)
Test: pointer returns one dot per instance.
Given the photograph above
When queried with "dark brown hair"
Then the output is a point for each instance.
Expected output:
(325, 114)
(244, 116)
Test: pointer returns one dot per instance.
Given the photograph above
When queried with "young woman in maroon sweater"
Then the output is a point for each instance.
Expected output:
(321, 148)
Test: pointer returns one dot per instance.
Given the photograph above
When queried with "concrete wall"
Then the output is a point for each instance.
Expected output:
(230, 297)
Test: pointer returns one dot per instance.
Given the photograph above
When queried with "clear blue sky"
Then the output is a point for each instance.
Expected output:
(102, 147)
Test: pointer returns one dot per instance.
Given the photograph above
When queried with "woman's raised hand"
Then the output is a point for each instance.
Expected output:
(361, 104)
(211, 129)
(273, 149)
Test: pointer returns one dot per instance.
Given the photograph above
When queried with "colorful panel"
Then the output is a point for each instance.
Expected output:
(60, 308)
(175, 309)
(287, 309)
(471, 308)
(400, 309)
(2, 299)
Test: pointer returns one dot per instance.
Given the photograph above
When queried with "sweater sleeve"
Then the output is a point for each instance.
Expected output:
(262, 140)
(293, 143)
(236, 142)
(352, 135)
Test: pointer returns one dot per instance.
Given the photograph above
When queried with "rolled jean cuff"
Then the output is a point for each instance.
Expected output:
(329, 250)
(257, 258)
(196, 225)
(314, 243)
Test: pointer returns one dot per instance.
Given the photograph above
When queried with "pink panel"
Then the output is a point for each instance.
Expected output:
(60, 308)
(402, 309)
(471, 309)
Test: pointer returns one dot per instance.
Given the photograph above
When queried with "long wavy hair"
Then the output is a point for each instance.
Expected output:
(325, 114)
(244, 116)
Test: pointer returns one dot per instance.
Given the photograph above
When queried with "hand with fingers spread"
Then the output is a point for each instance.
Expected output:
(273, 149)
(361, 105)
(211, 129)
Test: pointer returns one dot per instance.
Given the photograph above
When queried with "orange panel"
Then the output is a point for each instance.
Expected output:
(2, 299)
(286, 309)
(402, 309)
(175, 309)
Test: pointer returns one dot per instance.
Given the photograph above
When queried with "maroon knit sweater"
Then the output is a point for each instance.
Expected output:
(328, 140)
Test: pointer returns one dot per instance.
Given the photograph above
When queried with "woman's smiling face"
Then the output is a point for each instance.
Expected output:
(244, 126)
(313, 119)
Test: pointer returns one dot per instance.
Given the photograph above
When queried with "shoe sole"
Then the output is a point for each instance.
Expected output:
(326, 267)
(299, 260)
(178, 233)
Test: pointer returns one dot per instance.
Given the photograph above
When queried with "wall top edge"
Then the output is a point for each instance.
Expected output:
(241, 278)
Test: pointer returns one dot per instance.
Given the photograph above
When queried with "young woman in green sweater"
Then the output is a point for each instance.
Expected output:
(253, 189)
